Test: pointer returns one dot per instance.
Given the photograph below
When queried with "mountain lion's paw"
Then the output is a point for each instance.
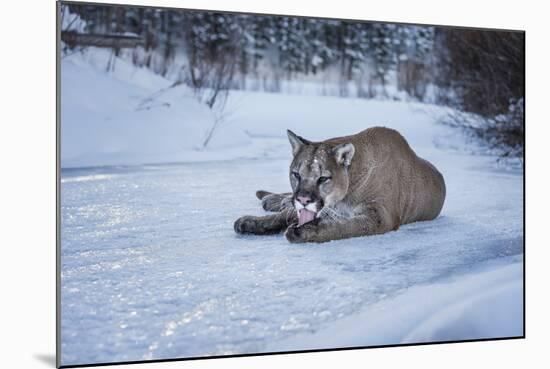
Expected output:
(246, 224)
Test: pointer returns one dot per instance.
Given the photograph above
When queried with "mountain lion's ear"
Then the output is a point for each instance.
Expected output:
(344, 153)
(296, 141)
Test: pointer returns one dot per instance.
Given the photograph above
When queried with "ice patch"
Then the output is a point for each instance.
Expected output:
(92, 177)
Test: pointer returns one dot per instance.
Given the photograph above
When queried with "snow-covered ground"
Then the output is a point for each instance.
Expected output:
(151, 267)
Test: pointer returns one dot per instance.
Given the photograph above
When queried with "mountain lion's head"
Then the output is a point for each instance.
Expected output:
(318, 175)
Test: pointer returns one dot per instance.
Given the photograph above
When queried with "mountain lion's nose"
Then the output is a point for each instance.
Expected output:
(304, 200)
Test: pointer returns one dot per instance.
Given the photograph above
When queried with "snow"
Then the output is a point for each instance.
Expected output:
(485, 304)
(152, 269)
(130, 116)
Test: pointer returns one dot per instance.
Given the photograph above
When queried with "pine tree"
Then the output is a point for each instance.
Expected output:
(383, 42)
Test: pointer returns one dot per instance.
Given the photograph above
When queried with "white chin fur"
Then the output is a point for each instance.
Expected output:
(310, 207)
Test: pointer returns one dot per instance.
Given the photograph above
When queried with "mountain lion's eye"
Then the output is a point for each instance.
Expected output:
(323, 179)
(296, 175)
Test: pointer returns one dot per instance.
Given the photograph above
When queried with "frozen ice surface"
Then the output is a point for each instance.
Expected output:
(151, 267)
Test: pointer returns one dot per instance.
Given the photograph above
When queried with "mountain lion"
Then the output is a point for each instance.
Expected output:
(364, 184)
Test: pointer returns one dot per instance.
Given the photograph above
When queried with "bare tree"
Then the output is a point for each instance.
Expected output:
(214, 91)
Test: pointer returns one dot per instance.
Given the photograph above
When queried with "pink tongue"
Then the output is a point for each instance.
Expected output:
(305, 216)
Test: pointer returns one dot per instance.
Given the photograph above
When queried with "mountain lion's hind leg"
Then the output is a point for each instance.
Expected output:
(275, 201)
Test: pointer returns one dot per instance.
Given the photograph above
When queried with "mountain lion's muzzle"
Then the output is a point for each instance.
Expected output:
(307, 208)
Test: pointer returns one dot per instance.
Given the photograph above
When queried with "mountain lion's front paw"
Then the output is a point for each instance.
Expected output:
(300, 234)
(246, 224)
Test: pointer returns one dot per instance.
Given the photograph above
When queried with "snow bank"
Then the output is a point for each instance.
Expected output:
(130, 116)
(484, 304)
